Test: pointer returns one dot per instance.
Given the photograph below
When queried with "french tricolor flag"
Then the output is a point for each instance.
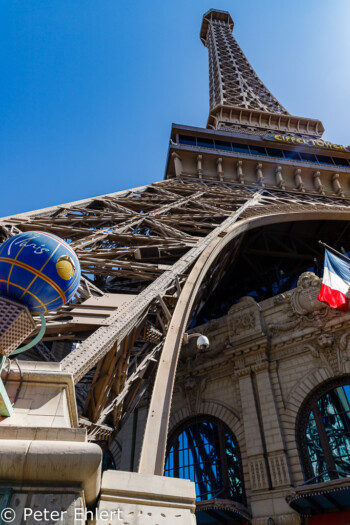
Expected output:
(336, 282)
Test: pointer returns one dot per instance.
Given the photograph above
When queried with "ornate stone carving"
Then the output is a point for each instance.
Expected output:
(260, 367)
(284, 327)
(192, 389)
(325, 341)
(258, 476)
(304, 301)
(255, 360)
(344, 353)
(281, 298)
(305, 306)
(327, 350)
(279, 470)
(330, 351)
(244, 320)
(314, 352)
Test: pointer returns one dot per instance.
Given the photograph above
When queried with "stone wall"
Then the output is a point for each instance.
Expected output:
(263, 361)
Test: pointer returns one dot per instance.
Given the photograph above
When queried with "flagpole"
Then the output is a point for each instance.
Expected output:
(333, 250)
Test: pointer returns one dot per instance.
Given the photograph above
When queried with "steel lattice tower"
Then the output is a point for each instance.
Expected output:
(152, 256)
(232, 80)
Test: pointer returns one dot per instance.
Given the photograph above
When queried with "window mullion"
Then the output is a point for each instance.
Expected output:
(223, 462)
(324, 442)
(176, 457)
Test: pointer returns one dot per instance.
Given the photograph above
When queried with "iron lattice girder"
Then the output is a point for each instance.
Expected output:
(167, 224)
(232, 80)
(238, 98)
(101, 341)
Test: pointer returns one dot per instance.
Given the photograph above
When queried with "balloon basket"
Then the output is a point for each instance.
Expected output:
(16, 325)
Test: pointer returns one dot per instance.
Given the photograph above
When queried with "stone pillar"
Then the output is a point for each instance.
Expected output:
(244, 325)
(267, 465)
(279, 178)
(259, 174)
(46, 463)
(177, 164)
(255, 450)
(271, 428)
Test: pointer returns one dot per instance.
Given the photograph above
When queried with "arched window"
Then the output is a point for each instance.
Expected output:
(206, 452)
(323, 432)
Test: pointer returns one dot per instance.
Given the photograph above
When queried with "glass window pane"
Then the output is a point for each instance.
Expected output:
(273, 152)
(340, 162)
(328, 434)
(221, 144)
(205, 143)
(323, 159)
(310, 157)
(257, 150)
(207, 455)
(289, 154)
(241, 148)
(186, 139)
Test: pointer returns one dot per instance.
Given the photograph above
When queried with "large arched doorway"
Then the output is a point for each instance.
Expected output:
(205, 451)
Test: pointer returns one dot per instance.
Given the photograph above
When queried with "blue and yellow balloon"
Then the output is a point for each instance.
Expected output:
(39, 270)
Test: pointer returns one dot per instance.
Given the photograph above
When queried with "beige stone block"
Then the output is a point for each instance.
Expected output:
(146, 500)
(18, 502)
(43, 433)
(59, 422)
(52, 462)
(41, 390)
(45, 405)
(23, 406)
(62, 406)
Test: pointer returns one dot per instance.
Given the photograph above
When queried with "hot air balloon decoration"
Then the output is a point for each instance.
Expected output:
(39, 272)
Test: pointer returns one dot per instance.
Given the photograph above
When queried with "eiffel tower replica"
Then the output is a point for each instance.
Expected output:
(153, 257)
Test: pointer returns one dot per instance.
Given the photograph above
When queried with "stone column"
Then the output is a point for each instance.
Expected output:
(271, 427)
(268, 472)
(272, 503)
(255, 451)
(47, 466)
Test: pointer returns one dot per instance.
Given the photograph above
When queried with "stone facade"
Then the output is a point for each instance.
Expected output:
(47, 464)
(263, 362)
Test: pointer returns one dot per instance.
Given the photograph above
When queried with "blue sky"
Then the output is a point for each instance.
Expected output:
(89, 88)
